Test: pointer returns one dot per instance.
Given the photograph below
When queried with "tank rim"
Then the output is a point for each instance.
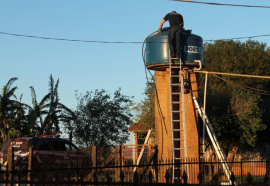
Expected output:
(163, 66)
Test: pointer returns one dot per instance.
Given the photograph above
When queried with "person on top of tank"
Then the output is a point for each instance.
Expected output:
(174, 36)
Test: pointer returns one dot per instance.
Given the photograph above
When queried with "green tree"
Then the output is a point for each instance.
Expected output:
(236, 108)
(7, 106)
(51, 123)
(144, 112)
(37, 111)
(48, 111)
(100, 120)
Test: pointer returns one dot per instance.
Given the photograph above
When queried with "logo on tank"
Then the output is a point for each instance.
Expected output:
(193, 49)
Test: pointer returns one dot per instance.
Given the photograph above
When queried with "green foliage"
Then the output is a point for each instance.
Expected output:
(49, 111)
(144, 112)
(237, 111)
(100, 120)
(19, 119)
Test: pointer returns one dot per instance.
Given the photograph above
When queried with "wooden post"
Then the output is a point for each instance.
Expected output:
(92, 175)
(232, 178)
(30, 158)
(249, 179)
(118, 162)
(10, 162)
(266, 179)
(156, 163)
(185, 178)
(200, 177)
(94, 160)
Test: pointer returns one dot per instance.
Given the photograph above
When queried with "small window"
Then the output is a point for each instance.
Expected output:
(44, 146)
(56, 145)
(70, 146)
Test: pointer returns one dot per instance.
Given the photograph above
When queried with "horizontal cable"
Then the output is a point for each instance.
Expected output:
(77, 40)
(230, 74)
(117, 42)
(221, 4)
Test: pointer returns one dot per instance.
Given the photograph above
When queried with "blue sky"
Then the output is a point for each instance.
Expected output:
(89, 66)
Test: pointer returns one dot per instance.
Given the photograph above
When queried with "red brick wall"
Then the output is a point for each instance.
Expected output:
(163, 129)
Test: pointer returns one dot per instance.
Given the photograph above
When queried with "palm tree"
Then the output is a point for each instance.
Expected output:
(55, 113)
(38, 109)
(7, 106)
(20, 118)
(49, 108)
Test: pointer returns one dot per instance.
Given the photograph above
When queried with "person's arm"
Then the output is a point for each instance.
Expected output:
(161, 24)
(182, 24)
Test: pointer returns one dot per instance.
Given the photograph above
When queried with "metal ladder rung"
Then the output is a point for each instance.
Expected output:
(177, 111)
(178, 139)
(181, 103)
(176, 84)
(176, 102)
(177, 120)
(179, 148)
(178, 129)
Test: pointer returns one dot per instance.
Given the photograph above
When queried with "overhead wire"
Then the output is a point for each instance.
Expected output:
(117, 42)
(155, 87)
(258, 91)
(222, 4)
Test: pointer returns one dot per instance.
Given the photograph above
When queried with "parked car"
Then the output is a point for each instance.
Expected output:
(48, 152)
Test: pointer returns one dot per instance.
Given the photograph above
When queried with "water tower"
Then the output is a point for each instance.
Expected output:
(176, 119)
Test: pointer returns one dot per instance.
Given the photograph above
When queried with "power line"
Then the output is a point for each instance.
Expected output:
(240, 37)
(251, 89)
(61, 39)
(230, 74)
(199, 2)
(117, 42)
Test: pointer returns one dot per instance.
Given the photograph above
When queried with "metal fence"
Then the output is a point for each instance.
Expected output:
(86, 168)
(201, 172)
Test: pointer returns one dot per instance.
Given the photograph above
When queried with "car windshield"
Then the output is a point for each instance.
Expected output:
(54, 145)
(17, 144)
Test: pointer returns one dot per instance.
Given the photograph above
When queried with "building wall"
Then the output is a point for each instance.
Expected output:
(163, 127)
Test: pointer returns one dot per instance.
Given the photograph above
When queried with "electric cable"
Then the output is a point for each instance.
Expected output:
(155, 87)
(221, 4)
(117, 42)
(258, 91)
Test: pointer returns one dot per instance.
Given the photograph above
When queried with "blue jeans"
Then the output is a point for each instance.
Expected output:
(174, 38)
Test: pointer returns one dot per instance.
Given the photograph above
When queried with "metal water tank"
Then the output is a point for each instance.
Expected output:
(157, 50)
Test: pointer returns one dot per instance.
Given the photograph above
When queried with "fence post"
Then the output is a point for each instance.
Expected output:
(118, 162)
(232, 178)
(185, 178)
(200, 177)
(94, 160)
(122, 175)
(249, 179)
(10, 162)
(266, 179)
(155, 161)
(167, 176)
(241, 171)
(30, 165)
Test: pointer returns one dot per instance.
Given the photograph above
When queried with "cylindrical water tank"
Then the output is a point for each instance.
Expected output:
(157, 50)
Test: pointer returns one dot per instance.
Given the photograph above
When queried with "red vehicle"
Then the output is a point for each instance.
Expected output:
(48, 152)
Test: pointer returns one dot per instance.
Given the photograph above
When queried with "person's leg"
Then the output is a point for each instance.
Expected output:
(171, 38)
(178, 41)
